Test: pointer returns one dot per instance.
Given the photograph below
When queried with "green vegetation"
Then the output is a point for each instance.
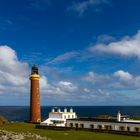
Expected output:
(104, 117)
(64, 135)
(136, 118)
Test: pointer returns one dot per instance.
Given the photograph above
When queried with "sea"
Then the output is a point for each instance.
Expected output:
(21, 113)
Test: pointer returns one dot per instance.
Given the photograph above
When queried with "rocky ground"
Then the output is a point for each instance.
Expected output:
(9, 135)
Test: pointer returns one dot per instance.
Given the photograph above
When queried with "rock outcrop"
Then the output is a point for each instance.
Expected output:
(9, 135)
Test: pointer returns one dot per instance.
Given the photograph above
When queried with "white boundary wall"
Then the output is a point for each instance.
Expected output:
(114, 125)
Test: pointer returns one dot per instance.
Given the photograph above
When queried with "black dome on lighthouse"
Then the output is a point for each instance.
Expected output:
(34, 69)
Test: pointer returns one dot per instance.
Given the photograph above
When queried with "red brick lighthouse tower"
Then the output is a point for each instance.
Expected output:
(35, 116)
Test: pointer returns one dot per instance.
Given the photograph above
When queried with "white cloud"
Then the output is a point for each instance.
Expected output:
(127, 46)
(83, 6)
(105, 38)
(67, 86)
(65, 83)
(124, 76)
(63, 57)
(95, 78)
(12, 71)
(43, 82)
(90, 76)
(14, 77)
(86, 90)
(14, 80)
(119, 80)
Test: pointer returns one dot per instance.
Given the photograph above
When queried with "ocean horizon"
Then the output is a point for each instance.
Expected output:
(21, 113)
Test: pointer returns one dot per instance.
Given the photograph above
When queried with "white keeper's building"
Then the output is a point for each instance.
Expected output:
(120, 123)
(58, 117)
(69, 119)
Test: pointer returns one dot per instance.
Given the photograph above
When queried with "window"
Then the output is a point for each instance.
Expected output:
(81, 125)
(128, 128)
(76, 125)
(68, 116)
(99, 127)
(136, 129)
(64, 116)
(108, 127)
(72, 116)
(71, 124)
(91, 126)
(122, 128)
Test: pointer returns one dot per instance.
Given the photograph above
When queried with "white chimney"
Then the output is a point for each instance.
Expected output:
(65, 109)
(119, 116)
(71, 109)
(58, 110)
(53, 110)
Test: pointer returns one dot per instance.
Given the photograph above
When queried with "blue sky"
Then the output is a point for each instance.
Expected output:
(87, 51)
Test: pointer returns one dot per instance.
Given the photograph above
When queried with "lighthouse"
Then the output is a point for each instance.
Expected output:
(35, 115)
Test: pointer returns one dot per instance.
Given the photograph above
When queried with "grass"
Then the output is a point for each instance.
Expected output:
(136, 118)
(64, 135)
